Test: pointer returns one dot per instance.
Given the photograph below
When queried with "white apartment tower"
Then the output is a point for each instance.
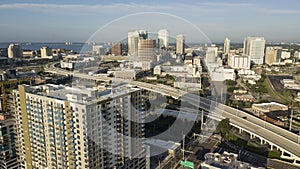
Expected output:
(46, 52)
(15, 51)
(226, 46)
(211, 54)
(180, 42)
(68, 127)
(255, 48)
(239, 61)
(163, 38)
(8, 154)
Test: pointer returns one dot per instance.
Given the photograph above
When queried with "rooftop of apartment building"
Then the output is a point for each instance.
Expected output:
(79, 94)
(225, 160)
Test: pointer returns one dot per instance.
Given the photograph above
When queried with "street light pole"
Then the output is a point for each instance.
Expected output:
(298, 137)
(221, 95)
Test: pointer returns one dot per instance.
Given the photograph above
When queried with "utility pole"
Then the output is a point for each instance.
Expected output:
(221, 94)
(183, 151)
(298, 137)
(291, 119)
(202, 119)
(184, 162)
(265, 116)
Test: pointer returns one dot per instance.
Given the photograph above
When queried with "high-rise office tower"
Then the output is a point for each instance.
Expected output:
(146, 53)
(226, 46)
(273, 54)
(163, 39)
(116, 49)
(146, 50)
(255, 48)
(46, 52)
(133, 39)
(180, 42)
(143, 34)
(69, 127)
(211, 54)
(15, 51)
(8, 154)
(98, 50)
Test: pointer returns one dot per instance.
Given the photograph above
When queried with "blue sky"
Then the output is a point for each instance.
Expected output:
(77, 20)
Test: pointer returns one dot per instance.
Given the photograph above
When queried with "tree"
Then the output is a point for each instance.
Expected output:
(231, 89)
(224, 126)
(264, 101)
(230, 82)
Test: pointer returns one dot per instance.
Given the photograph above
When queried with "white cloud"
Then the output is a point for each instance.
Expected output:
(223, 4)
(117, 6)
(282, 11)
(136, 7)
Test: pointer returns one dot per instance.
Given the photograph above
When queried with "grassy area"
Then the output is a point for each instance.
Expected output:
(296, 124)
(274, 93)
(274, 154)
(162, 80)
(225, 146)
(249, 146)
(160, 124)
(238, 104)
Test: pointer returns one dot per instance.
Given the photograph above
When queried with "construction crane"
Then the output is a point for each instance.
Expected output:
(10, 81)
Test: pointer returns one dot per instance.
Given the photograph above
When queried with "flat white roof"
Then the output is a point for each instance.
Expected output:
(168, 145)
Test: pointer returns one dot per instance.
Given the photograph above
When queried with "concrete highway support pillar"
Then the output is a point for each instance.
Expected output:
(272, 147)
(296, 162)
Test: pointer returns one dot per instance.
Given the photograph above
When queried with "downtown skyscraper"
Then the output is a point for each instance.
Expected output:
(133, 40)
(180, 42)
(255, 48)
(226, 49)
(14, 51)
(163, 39)
(69, 127)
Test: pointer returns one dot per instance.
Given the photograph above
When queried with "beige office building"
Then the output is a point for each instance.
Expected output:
(273, 55)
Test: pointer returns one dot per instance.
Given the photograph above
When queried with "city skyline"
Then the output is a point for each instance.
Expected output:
(75, 21)
(127, 85)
